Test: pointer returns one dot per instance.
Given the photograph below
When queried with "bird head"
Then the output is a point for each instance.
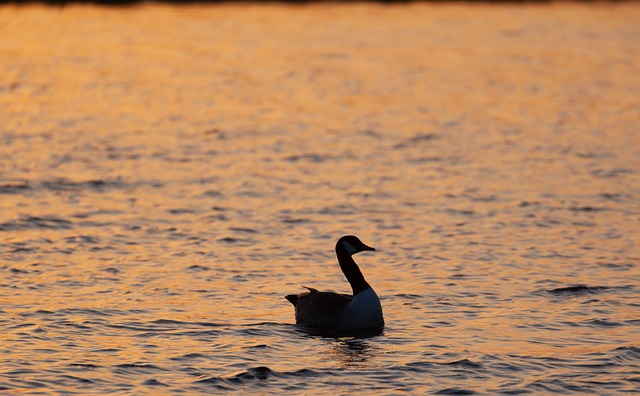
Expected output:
(352, 244)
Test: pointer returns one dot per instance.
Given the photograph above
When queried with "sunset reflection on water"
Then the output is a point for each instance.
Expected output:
(168, 173)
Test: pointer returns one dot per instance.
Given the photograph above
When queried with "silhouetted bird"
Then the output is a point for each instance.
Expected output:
(341, 313)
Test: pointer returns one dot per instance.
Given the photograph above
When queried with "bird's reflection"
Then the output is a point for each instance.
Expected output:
(352, 352)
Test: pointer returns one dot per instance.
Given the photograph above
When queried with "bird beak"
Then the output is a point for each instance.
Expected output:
(370, 248)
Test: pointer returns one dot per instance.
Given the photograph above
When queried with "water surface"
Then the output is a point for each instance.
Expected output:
(168, 174)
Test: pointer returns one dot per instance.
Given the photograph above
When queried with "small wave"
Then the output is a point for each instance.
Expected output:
(234, 241)
(627, 354)
(39, 312)
(417, 139)
(610, 173)
(81, 239)
(295, 220)
(137, 327)
(82, 367)
(432, 366)
(78, 380)
(198, 268)
(616, 266)
(99, 212)
(245, 230)
(461, 212)
(253, 375)
(19, 270)
(578, 290)
(586, 209)
(95, 312)
(311, 157)
(424, 159)
(189, 357)
(602, 323)
(179, 211)
(63, 184)
(36, 222)
(22, 326)
(258, 346)
(260, 373)
(465, 363)
(408, 296)
(211, 194)
(153, 382)
(556, 386)
(337, 210)
(171, 324)
(14, 187)
(137, 368)
(106, 350)
(454, 391)
(617, 197)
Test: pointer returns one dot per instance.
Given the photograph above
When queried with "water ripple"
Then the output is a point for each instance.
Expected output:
(161, 193)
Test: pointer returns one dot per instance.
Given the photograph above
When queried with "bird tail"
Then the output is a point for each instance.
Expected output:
(292, 298)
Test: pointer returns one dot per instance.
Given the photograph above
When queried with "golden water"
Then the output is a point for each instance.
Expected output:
(168, 173)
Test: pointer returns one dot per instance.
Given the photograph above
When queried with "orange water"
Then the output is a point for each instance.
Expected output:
(168, 173)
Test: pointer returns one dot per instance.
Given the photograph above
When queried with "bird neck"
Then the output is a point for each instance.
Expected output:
(351, 271)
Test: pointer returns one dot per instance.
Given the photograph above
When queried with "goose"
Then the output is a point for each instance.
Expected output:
(341, 313)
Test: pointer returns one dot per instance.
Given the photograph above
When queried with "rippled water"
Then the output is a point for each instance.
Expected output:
(168, 174)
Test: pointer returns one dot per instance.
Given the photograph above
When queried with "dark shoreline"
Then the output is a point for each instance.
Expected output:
(189, 2)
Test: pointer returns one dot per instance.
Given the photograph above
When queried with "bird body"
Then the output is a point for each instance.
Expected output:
(341, 313)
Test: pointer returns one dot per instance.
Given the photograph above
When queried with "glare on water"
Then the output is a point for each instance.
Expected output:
(169, 173)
